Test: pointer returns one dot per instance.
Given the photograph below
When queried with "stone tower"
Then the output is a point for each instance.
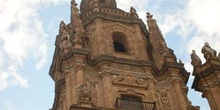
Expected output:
(207, 76)
(106, 59)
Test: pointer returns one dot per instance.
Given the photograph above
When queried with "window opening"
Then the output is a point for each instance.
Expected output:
(119, 41)
(131, 103)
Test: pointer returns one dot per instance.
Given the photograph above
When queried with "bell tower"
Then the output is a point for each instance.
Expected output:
(106, 59)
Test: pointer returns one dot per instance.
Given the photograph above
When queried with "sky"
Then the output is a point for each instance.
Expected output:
(28, 29)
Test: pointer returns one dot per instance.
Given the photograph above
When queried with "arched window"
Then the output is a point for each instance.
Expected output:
(119, 42)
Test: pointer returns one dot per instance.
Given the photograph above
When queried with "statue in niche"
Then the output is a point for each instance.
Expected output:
(65, 38)
(196, 61)
(78, 34)
(88, 92)
(84, 93)
(85, 40)
(208, 52)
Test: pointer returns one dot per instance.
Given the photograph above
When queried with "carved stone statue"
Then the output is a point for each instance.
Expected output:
(84, 93)
(196, 61)
(78, 35)
(88, 93)
(62, 26)
(65, 38)
(133, 12)
(208, 52)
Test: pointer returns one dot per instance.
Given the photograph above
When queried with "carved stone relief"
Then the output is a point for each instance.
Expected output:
(129, 79)
(164, 98)
(88, 93)
(131, 92)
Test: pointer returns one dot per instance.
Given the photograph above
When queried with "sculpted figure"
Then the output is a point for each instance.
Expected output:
(84, 93)
(78, 34)
(208, 51)
(88, 92)
(132, 10)
(65, 38)
(196, 61)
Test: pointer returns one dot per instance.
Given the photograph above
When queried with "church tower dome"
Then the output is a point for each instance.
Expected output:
(90, 4)
(106, 59)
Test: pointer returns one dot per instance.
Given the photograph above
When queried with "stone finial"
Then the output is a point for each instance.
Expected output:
(208, 52)
(196, 61)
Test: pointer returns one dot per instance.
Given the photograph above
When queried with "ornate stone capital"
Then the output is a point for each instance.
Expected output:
(176, 82)
(67, 73)
(206, 92)
(105, 74)
(79, 67)
(151, 81)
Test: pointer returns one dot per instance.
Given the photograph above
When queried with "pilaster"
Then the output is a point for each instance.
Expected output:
(67, 75)
(107, 87)
(181, 96)
(152, 88)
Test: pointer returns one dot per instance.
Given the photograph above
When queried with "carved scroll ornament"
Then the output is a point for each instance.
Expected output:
(129, 80)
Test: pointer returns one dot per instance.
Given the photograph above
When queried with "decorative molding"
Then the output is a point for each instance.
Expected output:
(164, 98)
(131, 92)
(129, 79)
(79, 68)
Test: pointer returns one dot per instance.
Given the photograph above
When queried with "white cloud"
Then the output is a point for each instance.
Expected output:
(22, 38)
(197, 22)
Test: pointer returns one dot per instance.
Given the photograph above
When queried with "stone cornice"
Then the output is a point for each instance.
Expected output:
(81, 51)
(208, 70)
(124, 19)
(180, 66)
(122, 61)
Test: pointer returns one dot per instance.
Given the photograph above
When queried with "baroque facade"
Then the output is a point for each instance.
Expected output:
(106, 59)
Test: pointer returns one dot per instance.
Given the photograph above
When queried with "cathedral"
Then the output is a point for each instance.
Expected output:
(108, 59)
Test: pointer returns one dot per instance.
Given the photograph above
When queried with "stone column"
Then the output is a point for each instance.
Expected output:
(152, 87)
(68, 89)
(181, 96)
(80, 75)
(107, 87)
(212, 97)
(74, 88)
